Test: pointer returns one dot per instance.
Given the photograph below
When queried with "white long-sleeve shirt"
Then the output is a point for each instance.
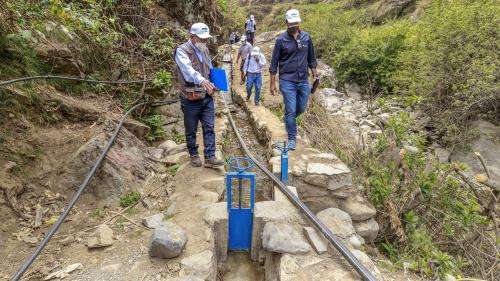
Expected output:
(186, 67)
(252, 66)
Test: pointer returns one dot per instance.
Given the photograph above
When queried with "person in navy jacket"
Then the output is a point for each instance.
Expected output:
(293, 56)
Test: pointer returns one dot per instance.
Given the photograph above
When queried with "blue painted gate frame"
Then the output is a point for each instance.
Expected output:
(240, 218)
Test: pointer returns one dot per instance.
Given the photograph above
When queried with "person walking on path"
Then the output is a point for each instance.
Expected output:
(196, 93)
(251, 27)
(293, 54)
(243, 51)
(253, 73)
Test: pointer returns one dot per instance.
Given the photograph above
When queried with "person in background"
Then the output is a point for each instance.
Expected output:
(251, 27)
(196, 93)
(243, 52)
(293, 54)
(253, 73)
(232, 38)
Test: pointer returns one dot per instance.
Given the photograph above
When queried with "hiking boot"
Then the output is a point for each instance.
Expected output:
(195, 161)
(292, 145)
(213, 162)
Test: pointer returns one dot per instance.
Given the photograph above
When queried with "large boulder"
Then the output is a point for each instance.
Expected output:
(283, 238)
(367, 229)
(358, 208)
(126, 166)
(167, 241)
(338, 221)
(488, 145)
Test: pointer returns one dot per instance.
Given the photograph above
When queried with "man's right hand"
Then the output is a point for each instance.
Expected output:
(207, 85)
(273, 88)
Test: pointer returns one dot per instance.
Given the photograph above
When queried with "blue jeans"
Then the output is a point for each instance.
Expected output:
(295, 97)
(254, 79)
(199, 111)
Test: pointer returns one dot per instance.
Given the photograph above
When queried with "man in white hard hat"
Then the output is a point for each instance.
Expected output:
(251, 27)
(243, 52)
(293, 54)
(254, 64)
(196, 91)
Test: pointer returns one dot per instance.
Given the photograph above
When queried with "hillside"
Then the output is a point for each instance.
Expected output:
(408, 105)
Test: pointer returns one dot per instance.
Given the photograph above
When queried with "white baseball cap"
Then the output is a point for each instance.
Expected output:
(255, 51)
(293, 16)
(201, 30)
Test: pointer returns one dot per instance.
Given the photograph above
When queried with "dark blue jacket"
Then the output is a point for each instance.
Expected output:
(293, 57)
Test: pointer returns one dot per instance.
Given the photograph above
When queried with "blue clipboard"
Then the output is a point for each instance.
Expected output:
(219, 78)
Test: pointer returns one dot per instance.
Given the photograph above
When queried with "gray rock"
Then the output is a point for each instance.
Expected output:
(357, 207)
(329, 175)
(156, 153)
(355, 241)
(153, 221)
(316, 240)
(442, 155)
(366, 261)
(488, 145)
(283, 238)
(353, 90)
(389, 9)
(338, 221)
(168, 145)
(179, 158)
(102, 237)
(368, 229)
(367, 122)
(167, 241)
(202, 265)
(171, 210)
(411, 149)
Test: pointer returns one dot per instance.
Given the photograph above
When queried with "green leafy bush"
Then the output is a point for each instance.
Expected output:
(451, 61)
(155, 124)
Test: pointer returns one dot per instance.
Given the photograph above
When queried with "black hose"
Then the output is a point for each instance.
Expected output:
(60, 77)
(82, 187)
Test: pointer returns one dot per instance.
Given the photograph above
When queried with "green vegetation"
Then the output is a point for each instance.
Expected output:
(172, 170)
(155, 124)
(97, 214)
(442, 59)
(129, 199)
(432, 205)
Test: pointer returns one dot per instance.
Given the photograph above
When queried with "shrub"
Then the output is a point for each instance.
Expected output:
(370, 57)
(451, 61)
(155, 124)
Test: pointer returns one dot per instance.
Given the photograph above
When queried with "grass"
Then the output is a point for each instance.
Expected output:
(129, 199)
(97, 214)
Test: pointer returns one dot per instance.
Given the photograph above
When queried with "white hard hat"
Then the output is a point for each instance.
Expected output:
(252, 17)
(293, 16)
(255, 51)
(201, 30)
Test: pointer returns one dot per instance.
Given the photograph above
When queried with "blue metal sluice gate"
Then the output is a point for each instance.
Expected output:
(240, 190)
